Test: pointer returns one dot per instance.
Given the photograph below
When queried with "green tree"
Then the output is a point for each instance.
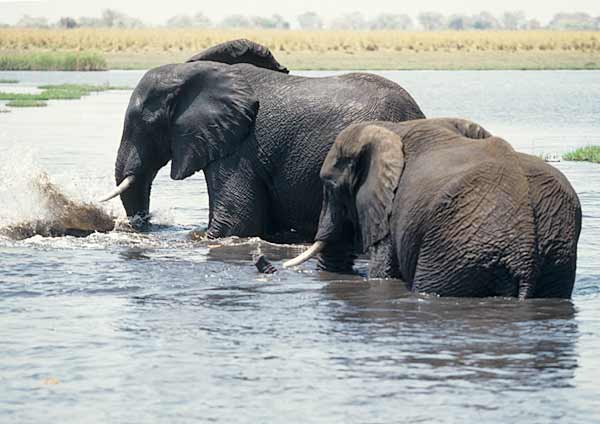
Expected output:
(484, 20)
(350, 21)
(28, 21)
(573, 21)
(389, 21)
(67, 22)
(235, 21)
(199, 20)
(431, 21)
(310, 21)
(514, 20)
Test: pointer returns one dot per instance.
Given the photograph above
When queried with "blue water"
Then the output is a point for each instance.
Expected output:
(156, 327)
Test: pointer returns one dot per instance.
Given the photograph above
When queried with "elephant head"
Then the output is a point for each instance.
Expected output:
(191, 114)
(360, 175)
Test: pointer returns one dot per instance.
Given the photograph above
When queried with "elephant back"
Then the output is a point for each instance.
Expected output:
(241, 51)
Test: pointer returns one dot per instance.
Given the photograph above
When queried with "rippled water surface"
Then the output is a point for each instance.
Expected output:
(157, 327)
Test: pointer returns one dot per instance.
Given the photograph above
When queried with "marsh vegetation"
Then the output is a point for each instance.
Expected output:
(53, 92)
(24, 60)
(97, 48)
(587, 154)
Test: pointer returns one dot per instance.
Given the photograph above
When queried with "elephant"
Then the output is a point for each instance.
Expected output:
(448, 208)
(259, 135)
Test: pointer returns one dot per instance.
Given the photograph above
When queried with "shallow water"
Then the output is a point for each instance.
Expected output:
(125, 327)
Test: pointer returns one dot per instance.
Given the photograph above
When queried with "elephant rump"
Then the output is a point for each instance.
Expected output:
(481, 239)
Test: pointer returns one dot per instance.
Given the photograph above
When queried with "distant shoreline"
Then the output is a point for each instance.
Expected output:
(313, 61)
(388, 61)
(97, 49)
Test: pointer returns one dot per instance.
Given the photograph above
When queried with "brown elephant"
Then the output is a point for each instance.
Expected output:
(450, 209)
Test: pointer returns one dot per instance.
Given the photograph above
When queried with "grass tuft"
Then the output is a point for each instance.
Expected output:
(59, 92)
(588, 154)
(53, 61)
(26, 103)
(8, 81)
(82, 87)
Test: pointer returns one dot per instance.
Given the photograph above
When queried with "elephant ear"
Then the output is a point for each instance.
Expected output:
(214, 111)
(241, 51)
(380, 165)
(464, 127)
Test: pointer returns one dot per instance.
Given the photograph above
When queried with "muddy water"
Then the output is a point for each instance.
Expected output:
(153, 327)
(60, 216)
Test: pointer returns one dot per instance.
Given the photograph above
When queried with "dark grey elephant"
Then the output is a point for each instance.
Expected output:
(258, 134)
(448, 208)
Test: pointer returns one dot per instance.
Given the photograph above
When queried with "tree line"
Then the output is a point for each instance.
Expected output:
(426, 21)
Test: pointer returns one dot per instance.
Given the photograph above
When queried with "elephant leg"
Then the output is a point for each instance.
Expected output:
(557, 279)
(448, 267)
(445, 279)
(383, 262)
(241, 214)
(238, 200)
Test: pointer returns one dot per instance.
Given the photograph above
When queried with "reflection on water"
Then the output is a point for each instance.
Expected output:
(517, 345)
(165, 326)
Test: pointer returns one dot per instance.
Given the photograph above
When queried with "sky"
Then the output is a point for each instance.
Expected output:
(157, 12)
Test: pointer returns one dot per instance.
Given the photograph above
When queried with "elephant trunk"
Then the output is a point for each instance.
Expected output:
(335, 238)
(136, 201)
(134, 177)
(334, 216)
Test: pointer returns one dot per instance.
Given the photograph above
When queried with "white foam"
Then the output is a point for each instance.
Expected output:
(27, 194)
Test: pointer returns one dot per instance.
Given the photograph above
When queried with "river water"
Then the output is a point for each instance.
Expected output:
(157, 327)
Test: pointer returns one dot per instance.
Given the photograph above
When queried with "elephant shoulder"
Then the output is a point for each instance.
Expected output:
(367, 78)
(240, 51)
(393, 102)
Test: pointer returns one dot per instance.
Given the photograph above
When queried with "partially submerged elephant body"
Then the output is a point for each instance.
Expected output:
(448, 208)
(259, 134)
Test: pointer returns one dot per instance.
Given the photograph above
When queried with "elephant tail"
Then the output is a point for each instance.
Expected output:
(241, 51)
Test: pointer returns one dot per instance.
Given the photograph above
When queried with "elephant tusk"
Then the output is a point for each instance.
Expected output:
(306, 255)
(125, 184)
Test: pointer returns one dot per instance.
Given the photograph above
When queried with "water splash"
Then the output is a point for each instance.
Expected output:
(30, 204)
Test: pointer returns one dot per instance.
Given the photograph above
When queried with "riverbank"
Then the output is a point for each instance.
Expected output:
(314, 50)
(380, 60)
(383, 60)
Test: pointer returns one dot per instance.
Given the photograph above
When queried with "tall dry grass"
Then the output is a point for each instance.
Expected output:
(53, 61)
(140, 40)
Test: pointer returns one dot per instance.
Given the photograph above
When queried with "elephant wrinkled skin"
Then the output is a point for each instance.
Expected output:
(448, 208)
(258, 134)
